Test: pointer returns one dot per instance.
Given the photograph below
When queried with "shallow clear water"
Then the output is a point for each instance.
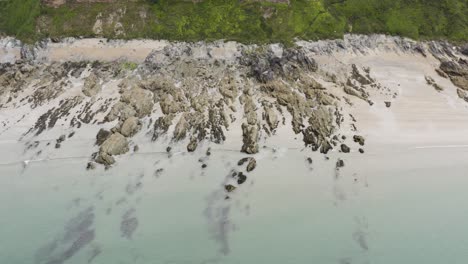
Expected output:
(403, 206)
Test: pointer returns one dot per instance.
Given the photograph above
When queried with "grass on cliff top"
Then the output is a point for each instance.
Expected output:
(244, 21)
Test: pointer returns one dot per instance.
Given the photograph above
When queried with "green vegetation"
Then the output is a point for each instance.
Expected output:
(245, 21)
(129, 66)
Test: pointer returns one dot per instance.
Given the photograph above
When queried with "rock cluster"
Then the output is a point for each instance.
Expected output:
(457, 70)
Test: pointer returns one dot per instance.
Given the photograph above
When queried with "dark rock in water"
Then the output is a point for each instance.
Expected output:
(343, 137)
(252, 164)
(208, 152)
(340, 163)
(192, 146)
(136, 148)
(359, 139)
(128, 227)
(57, 145)
(388, 104)
(61, 139)
(230, 187)
(71, 134)
(204, 166)
(309, 159)
(345, 148)
(241, 178)
(361, 151)
(90, 166)
(168, 149)
(158, 172)
(242, 161)
(101, 136)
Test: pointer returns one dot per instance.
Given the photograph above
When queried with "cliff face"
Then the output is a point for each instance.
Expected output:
(242, 21)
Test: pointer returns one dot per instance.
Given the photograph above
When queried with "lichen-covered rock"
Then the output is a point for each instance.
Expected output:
(130, 127)
(121, 111)
(91, 85)
(169, 105)
(140, 99)
(116, 144)
(271, 118)
(250, 134)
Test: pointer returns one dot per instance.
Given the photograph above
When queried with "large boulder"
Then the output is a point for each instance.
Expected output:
(140, 99)
(121, 111)
(116, 144)
(130, 127)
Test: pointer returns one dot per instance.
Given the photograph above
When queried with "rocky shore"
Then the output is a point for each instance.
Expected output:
(207, 92)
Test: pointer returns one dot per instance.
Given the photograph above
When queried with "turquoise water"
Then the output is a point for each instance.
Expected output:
(404, 206)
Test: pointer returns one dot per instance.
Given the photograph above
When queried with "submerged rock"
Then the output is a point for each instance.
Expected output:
(345, 148)
(102, 135)
(359, 139)
(192, 146)
(241, 178)
(229, 188)
(242, 161)
(251, 165)
(340, 163)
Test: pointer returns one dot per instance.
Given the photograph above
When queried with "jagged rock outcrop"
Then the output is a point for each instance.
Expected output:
(320, 129)
(457, 71)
